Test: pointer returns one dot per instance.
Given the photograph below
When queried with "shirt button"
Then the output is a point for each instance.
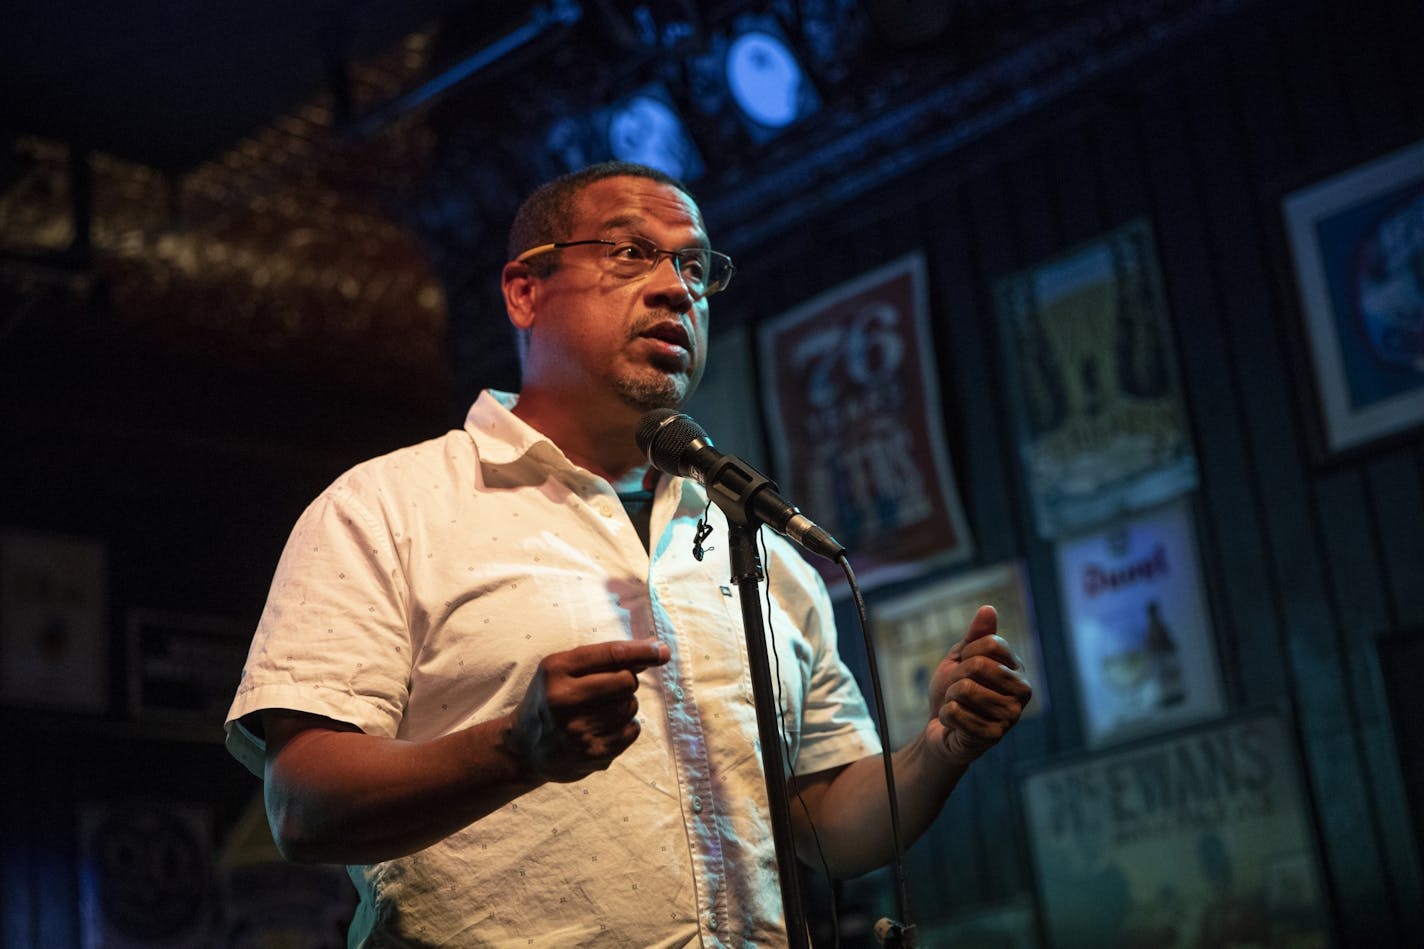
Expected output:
(697, 803)
(605, 508)
(711, 921)
(677, 692)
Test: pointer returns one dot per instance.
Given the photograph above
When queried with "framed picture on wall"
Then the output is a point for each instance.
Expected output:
(184, 667)
(1093, 382)
(1139, 626)
(1196, 838)
(1357, 241)
(54, 621)
(148, 880)
(852, 404)
(913, 631)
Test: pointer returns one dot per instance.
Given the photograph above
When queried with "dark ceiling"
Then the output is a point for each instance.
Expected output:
(291, 176)
(171, 84)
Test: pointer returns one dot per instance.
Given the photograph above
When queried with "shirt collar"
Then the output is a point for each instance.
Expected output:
(501, 436)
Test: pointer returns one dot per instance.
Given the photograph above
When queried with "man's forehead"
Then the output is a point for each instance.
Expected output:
(624, 200)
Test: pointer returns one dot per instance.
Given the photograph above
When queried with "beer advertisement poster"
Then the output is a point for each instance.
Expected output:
(1139, 626)
(853, 418)
(1199, 838)
(1093, 383)
(913, 631)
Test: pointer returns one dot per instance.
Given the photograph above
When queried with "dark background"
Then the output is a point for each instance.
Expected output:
(184, 413)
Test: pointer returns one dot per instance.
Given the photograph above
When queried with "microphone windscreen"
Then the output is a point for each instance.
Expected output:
(664, 434)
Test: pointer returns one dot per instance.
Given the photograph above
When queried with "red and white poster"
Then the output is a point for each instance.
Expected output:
(853, 418)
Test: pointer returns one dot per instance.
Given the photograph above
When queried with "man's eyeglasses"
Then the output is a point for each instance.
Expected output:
(704, 272)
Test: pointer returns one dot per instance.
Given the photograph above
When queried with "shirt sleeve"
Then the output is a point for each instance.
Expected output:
(334, 638)
(836, 727)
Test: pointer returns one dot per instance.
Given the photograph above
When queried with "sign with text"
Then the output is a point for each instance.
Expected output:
(1138, 626)
(184, 667)
(853, 414)
(1195, 839)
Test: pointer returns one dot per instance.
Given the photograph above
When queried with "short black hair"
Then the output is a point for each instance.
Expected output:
(547, 214)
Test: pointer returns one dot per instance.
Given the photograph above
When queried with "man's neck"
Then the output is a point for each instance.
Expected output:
(601, 441)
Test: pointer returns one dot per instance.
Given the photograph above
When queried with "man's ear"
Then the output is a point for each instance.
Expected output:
(520, 288)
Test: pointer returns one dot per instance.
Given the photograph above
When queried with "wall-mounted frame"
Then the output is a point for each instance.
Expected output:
(914, 630)
(852, 405)
(1200, 837)
(1139, 625)
(1356, 240)
(54, 621)
(183, 667)
(1093, 382)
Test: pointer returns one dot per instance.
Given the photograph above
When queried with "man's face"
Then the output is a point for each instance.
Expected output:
(642, 338)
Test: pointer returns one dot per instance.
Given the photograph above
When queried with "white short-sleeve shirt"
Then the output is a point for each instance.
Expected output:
(416, 596)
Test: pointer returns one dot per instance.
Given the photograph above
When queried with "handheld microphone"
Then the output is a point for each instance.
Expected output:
(676, 445)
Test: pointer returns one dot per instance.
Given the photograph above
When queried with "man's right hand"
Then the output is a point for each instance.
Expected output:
(579, 712)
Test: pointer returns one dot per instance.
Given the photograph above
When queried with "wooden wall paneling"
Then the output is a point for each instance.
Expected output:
(1027, 207)
(1297, 576)
(996, 249)
(1363, 62)
(961, 837)
(1214, 402)
(18, 896)
(1403, 20)
(997, 255)
(1352, 550)
(1259, 75)
(1120, 134)
(962, 320)
(1024, 234)
(41, 837)
(966, 322)
(1074, 181)
(1266, 69)
(1316, 99)
(1401, 668)
(1397, 506)
(986, 452)
(984, 455)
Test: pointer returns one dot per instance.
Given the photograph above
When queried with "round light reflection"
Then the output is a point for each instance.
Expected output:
(764, 78)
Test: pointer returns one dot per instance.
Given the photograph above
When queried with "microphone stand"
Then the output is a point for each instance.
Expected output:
(747, 574)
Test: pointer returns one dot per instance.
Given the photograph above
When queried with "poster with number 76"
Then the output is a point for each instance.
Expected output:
(853, 418)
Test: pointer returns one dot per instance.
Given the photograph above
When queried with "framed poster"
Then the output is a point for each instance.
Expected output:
(147, 877)
(54, 622)
(1139, 626)
(912, 633)
(1093, 382)
(1356, 240)
(1198, 838)
(853, 414)
(184, 667)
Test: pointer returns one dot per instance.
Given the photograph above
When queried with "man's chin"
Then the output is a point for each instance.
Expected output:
(660, 392)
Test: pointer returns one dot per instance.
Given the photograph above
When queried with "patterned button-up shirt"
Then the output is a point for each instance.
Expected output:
(416, 596)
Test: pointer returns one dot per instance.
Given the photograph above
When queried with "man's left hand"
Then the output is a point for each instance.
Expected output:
(977, 693)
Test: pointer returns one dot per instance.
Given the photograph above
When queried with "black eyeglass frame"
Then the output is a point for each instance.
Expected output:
(656, 254)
